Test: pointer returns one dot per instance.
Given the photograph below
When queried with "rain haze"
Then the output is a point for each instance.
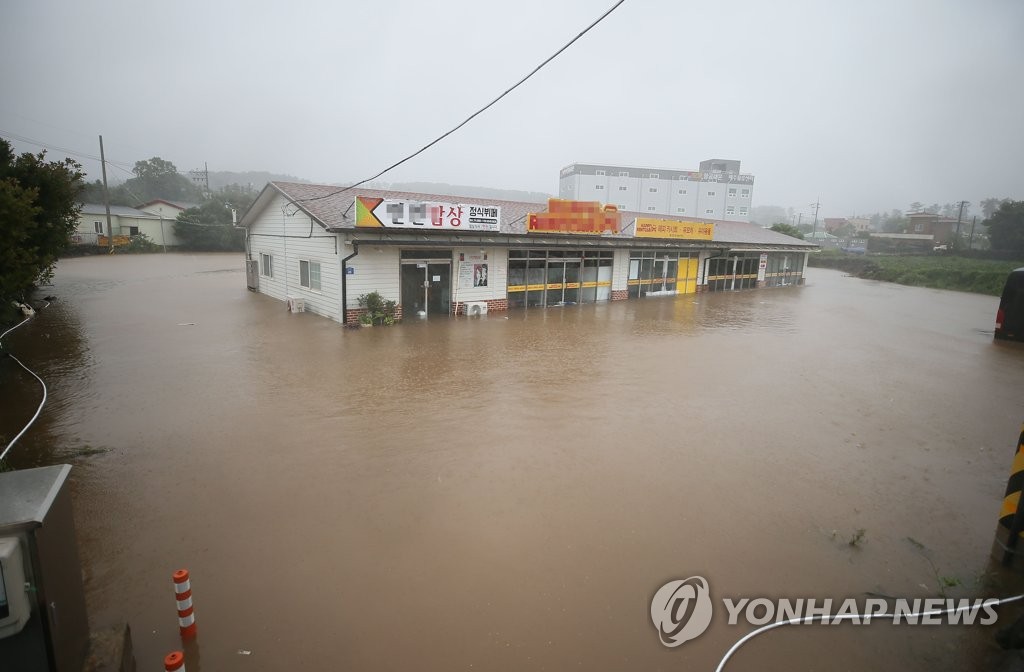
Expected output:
(869, 106)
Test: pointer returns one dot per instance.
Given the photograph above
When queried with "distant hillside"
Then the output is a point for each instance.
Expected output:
(254, 179)
(464, 190)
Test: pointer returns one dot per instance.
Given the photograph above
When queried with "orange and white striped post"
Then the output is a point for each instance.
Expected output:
(183, 593)
(174, 662)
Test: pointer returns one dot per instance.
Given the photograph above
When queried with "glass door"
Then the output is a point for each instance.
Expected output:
(426, 288)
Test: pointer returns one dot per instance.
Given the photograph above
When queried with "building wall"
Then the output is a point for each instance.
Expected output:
(376, 269)
(657, 192)
(284, 233)
(497, 272)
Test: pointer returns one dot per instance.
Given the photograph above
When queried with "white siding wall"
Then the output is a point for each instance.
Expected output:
(266, 236)
(620, 270)
(497, 275)
(153, 231)
(376, 269)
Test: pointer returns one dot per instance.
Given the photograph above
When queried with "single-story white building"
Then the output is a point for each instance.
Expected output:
(446, 255)
(149, 220)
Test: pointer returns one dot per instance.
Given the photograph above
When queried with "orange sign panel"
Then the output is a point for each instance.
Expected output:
(575, 217)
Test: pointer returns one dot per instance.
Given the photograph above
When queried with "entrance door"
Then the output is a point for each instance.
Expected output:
(426, 289)
(563, 285)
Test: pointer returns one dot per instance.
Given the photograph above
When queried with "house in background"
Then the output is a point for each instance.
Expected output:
(166, 209)
(941, 229)
(124, 221)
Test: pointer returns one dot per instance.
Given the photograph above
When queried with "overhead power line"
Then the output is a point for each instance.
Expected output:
(470, 117)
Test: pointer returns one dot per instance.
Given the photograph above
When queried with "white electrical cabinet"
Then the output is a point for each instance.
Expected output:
(14, 604)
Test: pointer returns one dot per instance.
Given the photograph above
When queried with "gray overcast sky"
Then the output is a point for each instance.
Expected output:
(871, 105)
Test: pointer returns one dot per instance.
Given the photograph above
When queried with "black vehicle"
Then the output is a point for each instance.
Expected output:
(1010, 316)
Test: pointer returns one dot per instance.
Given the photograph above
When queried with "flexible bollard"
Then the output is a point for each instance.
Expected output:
(183, 593)
(174, 662)
(1011, 515)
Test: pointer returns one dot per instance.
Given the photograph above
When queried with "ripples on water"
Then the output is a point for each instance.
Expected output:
(508, 492)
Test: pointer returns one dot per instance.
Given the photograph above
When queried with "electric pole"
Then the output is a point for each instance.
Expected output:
(106, 198)
(958, 218)
(814, 227)
(970, 243)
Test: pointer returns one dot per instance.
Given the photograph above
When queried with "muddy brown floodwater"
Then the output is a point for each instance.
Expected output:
(508, 493)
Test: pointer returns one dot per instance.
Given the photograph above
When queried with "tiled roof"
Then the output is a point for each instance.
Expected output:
(335, 210)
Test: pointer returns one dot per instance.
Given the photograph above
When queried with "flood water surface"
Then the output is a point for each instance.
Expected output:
(508, 493)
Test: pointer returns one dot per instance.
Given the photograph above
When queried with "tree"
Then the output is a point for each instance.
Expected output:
(38, 213)
(990, 205)
(1006, 226)
(157, 178)
(787, 229)
(916, 206)
(208, 226)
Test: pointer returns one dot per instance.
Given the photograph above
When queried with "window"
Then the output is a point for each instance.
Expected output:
(919, 227)
(731, 210)
(133, 230)
(623, 188)
(653, 176)
(650, 208)
(98, 226)
(732, 192)
(599, 186)
(745, 193)
(598, 172)
(682, 192)
(680, 209)
(711, 193)
(309, 275)
(709, 211)
(743, 210)
(623, 173)
(653, 190)
(266, 265)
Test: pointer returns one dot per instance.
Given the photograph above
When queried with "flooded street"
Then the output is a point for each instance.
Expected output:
(507, 493)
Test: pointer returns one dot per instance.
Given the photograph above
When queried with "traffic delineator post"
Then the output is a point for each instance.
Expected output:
(1011, 514)
(183, 595)
(174, 662)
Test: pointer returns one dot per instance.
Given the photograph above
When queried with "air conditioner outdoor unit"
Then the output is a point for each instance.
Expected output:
(295, 304)
(475, 308)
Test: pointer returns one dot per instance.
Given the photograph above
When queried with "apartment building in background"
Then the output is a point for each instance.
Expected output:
(717, 190)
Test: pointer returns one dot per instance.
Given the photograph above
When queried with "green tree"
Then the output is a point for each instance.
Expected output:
(157, 178)
(1006, 226)
(38, 212)
(916, 206)
(787, 229)
(990, 205)
(208, 226)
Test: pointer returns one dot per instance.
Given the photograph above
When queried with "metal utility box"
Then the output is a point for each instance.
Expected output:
(252, 274)
(41, 572)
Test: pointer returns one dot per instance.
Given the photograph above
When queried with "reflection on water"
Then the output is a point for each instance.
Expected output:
(509, 492)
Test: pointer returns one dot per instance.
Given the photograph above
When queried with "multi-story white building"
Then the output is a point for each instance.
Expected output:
(718, 190)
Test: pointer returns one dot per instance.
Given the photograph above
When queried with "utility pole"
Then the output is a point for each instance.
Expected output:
(958, 218)
(106, 198)
(814, 227)
(970, 242)
(202, 178)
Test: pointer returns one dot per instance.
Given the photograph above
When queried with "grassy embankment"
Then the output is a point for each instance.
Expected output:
(981, 276)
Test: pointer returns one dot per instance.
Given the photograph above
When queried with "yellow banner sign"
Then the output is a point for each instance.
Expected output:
(646, 227)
